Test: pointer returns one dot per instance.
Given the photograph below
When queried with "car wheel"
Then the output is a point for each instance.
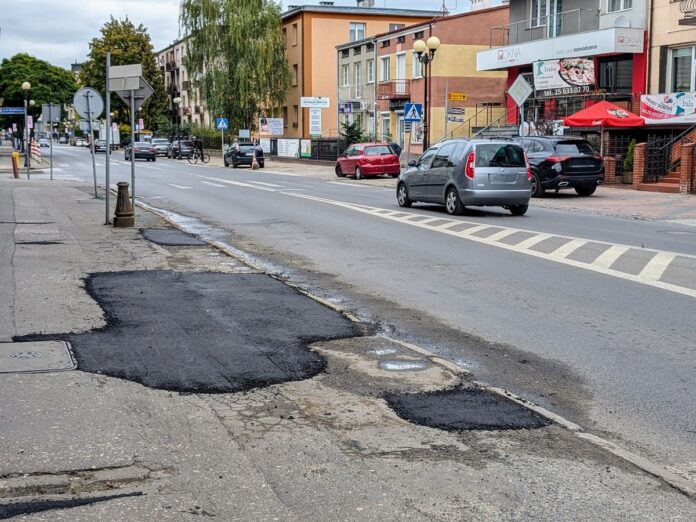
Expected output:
(338, 171)
(537, 187)
(585, 191)
(358, 173)
(518, 210)
(402, 196)
(394, 175)
(224, 161)
(234, 165)
(453, 204)
(261, 164)
(154, 159)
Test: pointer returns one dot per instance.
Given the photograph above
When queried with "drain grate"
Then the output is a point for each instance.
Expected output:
(36, 356)
(463, 409)
(24, 355)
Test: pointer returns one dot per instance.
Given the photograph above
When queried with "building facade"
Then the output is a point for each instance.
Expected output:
(462, 99)
(312, 34)
(356, 84)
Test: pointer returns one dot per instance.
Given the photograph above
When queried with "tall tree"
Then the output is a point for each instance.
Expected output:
(235, 54)
(127, 44)
(48, 84)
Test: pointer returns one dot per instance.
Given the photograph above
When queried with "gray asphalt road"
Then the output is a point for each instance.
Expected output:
(575, 312)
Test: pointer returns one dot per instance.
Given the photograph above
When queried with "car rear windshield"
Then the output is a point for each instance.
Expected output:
(160, 142)
(378, 150)
(142, 144)
(574, 147)
(187, 144)
(497, 155)
(246, 148)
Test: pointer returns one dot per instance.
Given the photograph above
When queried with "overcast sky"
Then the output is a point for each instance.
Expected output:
(59, 31)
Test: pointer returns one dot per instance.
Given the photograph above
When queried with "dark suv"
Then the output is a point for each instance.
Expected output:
(560, 162)
(242, 154)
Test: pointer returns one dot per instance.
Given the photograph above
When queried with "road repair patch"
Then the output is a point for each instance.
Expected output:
(463, 409)
(205, 332)
(171, 237)
(36, 356)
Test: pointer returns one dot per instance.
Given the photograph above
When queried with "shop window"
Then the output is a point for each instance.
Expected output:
(616, 75)
(681, 69)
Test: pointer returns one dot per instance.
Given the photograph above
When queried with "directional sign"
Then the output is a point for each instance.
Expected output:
(222, 123)
(413, 112)
(520, 90)
(456, 96)
(11, 110)
(93, 108)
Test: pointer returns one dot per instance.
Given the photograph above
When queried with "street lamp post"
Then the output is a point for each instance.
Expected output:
(25, 87)
(425, 52)
(177, 102)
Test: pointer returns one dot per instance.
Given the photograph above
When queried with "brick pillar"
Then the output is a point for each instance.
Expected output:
(609, 171)
(686, 169)
(638, 164)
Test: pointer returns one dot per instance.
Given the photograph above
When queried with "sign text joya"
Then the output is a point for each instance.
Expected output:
(564, 77)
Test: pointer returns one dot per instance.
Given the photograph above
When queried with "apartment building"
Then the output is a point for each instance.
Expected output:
(177, 84)
(312, 33)
(453, 74)
(356, 84)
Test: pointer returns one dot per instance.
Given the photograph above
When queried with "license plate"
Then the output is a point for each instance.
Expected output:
(502, 178)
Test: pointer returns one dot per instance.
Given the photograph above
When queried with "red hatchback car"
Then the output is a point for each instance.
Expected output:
(368, 159)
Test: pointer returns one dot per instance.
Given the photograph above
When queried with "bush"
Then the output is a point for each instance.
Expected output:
(628, 160)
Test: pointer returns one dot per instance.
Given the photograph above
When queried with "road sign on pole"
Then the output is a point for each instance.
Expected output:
(222, 123)
(519, 91)
(456, 96)
(4, 111)
(413, 112)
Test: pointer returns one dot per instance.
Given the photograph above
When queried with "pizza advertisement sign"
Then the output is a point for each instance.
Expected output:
(564, 77)
(676, 107)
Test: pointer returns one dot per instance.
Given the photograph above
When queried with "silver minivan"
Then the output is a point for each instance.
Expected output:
(461, 172)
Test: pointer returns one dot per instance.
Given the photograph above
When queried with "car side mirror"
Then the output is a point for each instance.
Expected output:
(412, 163)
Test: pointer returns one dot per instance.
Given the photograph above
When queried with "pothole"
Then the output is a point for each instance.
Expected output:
(463, 409)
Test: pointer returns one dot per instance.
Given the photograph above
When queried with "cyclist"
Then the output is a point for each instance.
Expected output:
(197, 146)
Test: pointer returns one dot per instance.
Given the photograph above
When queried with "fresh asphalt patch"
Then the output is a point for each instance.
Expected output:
(171, 237)
(461, 409)
(204, 332)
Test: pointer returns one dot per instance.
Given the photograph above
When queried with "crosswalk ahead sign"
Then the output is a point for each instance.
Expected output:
(413, 112)
(222, 123)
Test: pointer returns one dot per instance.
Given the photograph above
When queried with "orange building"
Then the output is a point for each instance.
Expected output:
(311, 34)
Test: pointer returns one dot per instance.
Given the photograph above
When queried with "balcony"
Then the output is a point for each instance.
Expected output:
(688, 7)
(394, 90)
(550, 26)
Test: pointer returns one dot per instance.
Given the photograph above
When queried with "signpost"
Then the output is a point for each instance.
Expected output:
(315, 122)
(222, 124)
(519, 91)
(413, 112)
(50, 112)
(89, 104)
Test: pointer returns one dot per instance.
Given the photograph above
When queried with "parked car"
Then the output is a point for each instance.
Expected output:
(100, 146)
(43, 142)
(242, 154)
(143, 150)
(461, 172)
(81, 142)
(368, 159)
(560, 162)
(161, 146)
(180, 149)
(63, 139)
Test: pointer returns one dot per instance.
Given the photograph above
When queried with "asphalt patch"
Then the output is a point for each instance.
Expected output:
(204, 332)
(463, 409)
(171, 237)
(14, 509)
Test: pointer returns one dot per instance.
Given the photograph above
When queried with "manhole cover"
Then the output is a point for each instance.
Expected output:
(170, 237)
(36, 356)
(464, 409)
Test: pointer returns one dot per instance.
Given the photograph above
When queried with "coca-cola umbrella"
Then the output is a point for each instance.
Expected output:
(604, 114)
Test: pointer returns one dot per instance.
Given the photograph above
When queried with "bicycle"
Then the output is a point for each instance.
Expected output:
(198, 155)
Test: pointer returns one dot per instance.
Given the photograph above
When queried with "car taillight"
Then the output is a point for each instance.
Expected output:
(557, 159)
(529, 169)
(469, 169)
(152, 150)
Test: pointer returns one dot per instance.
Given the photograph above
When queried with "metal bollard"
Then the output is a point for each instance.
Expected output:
(124, 216)
(15, 164)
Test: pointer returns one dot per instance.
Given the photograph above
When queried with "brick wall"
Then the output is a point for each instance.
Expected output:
(686, 169)
(610, 171)
(638, 164)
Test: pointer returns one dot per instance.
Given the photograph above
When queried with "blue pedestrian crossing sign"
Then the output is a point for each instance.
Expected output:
(413, 112)
(222, 123)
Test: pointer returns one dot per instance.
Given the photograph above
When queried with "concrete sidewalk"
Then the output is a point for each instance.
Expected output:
(84, 446)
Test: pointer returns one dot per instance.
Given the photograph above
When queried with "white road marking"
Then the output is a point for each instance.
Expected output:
(501, 235)
(450, 224)
(178, 186)
(568, 248)
(529, 243)
(609, 256)
(347, 184)
(213, 184)
(64, 164)
(266, 184)
(657, 266)
(471, 230)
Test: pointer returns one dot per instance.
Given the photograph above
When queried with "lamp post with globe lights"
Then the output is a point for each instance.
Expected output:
(26, 86)
(177, 103)
(425, 52)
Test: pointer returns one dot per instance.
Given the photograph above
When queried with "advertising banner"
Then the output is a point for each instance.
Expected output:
(289, 148)
(670, 108)
(564, 77)
(315, 122)
(265, 144)
(306, 148)
(271, 126)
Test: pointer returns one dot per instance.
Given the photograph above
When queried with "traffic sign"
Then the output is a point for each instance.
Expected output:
(11, 110)
(140, 95)
(456, 96)
(222, 123)
(520, 90)
(413, 112)
(88, 103)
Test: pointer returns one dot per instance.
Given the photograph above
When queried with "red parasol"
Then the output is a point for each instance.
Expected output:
(604, 114)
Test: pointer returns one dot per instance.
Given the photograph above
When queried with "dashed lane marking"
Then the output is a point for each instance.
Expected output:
(178, 186)
(213, 184)
(265, 184)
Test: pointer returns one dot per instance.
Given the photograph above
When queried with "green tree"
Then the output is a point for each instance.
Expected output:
(48, 84)
(352, 132)
(128, 44)
(235, 54)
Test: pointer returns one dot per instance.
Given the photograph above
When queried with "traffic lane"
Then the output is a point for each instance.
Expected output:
(631, 344)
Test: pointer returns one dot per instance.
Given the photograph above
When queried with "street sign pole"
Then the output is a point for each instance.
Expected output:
(50, 136)
(26, 131)
(88, 95)
(107, 161)
(132, 146)
(446, 106)
(222, 144)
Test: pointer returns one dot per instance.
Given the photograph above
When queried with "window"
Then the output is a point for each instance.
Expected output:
(499, 156)
(573, 147)
(370, 71)
(377, 150)
(384, 74)
(285, 37)
(618, 5)
(682, 70)
(294, 74)
(394, 27)
(427, 158)
(294, 34)
(616, 74)
(385, 43)
(417, 66)
(357, 77)
(345, 53)
(546, 13)
(357, 50)
(442, 158)
(295, 115)
(386, 126)
(285, 117)
(418, 35)
(357, 32)
(345, 75)
(400, 39)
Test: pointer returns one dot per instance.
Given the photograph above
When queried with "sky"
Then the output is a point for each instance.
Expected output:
(59, 31)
